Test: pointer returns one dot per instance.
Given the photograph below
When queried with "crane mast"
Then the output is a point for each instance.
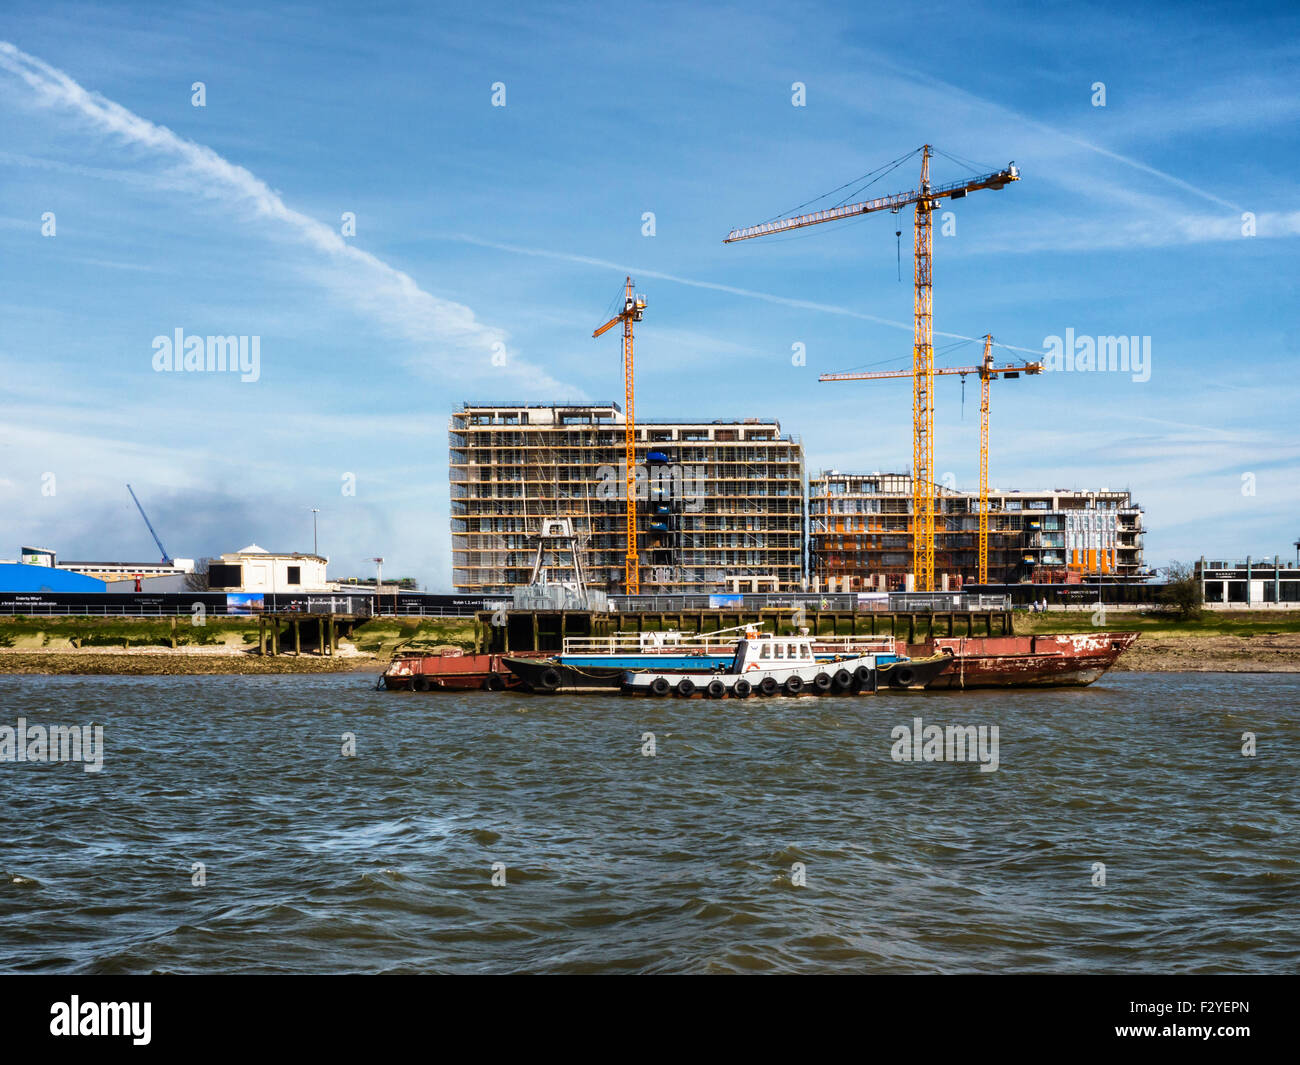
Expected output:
(923, 386)
(986, 375)
(633, 310)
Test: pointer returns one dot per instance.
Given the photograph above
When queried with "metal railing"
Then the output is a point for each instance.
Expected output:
(896, 602)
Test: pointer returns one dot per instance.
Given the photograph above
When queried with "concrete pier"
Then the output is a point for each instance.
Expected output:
(328, 628)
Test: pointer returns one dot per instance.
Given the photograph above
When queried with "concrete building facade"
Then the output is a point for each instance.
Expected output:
(720, 504)
(255, 569)
(860, 534)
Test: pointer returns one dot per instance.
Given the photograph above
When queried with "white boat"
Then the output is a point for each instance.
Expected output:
(763, 665)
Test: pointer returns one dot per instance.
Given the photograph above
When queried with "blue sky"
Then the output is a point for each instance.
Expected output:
(479, 226)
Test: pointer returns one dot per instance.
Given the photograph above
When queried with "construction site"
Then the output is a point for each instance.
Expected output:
(723, 506)
(859, 527)
(714, 505)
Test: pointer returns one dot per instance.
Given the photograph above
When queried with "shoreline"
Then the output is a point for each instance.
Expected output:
(181, 661)
(1261, 653)
(160, 647)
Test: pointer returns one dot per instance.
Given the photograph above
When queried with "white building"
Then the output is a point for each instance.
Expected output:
(254, 569)
(115, 572)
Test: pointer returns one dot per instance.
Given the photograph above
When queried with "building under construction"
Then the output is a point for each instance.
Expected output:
(860, 529)
(719, 504)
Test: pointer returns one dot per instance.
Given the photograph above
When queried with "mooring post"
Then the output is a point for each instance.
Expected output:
(261, 635)
(297, 639)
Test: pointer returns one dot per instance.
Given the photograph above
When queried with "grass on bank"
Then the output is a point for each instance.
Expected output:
(1153, 623)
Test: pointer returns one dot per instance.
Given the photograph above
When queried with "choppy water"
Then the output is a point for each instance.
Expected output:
(683, 861)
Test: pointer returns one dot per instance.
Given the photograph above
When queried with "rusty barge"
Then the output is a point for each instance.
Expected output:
(420, 671)
(1071, 659)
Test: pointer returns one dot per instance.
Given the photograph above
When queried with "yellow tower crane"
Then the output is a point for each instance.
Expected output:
(633, 311)
(927, 199)
(987, 371)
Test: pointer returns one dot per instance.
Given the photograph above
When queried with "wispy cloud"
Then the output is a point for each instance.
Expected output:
(449, 338)
(713, 286)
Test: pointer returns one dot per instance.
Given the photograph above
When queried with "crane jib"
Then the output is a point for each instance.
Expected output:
(896, 202)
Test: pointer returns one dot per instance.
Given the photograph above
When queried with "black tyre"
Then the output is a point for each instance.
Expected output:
(768, 686)
(741, 689)
(901, 677)
(716, 689)
(660, 687)
(862, 675)
(843, 679)
(422, 684)
(794, 685)
(549, 680)
(494, 683)
(822, 682)
(686, 687)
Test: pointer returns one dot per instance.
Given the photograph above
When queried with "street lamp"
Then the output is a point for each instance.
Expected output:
(315, 549)
(379, 581)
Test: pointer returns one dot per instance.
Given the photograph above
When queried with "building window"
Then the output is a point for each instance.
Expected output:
(295, 575)
(223, 575)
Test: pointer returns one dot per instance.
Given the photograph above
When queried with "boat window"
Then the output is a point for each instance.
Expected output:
(765, 651)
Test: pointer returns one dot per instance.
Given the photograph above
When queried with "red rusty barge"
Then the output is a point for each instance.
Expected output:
(1064, 660)
(451, 670)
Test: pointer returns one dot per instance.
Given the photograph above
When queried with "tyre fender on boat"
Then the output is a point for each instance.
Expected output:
(685, 687)
(794, 684)
(422, 684)
(716, 689)
(842, 679)
(549, 680)
(768, 686)
(822, 682)
(660, 686)
(901, 676)
(493, 682)
(742, 688)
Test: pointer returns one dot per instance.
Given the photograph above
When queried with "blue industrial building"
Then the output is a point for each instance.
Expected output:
(17, 577)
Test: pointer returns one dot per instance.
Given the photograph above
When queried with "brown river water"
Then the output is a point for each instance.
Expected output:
(227, 830)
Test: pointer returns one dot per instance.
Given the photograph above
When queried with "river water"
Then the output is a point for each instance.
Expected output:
(765, 835)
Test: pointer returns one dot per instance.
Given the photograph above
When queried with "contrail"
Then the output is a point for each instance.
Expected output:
(393, 295)
(715, 286)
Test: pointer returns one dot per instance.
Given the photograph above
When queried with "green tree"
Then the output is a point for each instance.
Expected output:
(1181, 595)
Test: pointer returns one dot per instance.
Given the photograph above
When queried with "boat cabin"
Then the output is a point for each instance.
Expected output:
(772, 652)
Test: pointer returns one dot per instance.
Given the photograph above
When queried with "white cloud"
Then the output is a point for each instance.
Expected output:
(438, 327)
